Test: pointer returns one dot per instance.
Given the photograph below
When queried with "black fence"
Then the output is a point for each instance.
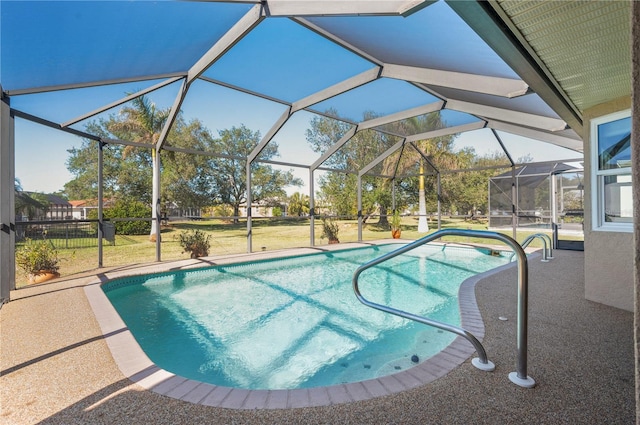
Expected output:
(65, 234)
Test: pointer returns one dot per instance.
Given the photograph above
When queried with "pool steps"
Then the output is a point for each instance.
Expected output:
(519, 377)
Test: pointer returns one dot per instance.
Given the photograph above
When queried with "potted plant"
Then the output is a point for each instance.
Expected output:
(395, 225)
(195, 242)
(330, 230)
(39, 260)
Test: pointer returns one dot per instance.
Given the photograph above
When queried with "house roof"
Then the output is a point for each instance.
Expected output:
(52, 199)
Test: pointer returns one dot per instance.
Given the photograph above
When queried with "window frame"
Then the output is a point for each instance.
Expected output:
(598, 222)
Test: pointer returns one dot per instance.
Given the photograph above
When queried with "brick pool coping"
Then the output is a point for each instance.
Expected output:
(135, 365)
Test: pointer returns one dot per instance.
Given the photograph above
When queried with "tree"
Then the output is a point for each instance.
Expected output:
(467, 191)
(438, 150)
(228, 173)
(299, 204)
(141, 123)
(83, 164)
(187, 179)
(340, 189)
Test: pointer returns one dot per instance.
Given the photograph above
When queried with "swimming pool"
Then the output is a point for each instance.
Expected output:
(203, 325)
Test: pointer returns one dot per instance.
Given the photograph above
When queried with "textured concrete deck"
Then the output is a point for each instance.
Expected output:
(56, 366)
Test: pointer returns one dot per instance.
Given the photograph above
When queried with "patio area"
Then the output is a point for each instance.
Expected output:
(56, 366)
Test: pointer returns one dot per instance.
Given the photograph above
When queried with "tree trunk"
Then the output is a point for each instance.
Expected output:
(384, 221)
(236, 213)
(423, 226)
(155, 196)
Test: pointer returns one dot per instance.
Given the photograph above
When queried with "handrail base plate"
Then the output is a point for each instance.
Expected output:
(528, 382)
(489, 366)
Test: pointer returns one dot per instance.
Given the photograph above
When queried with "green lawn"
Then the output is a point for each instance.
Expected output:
(230, 238)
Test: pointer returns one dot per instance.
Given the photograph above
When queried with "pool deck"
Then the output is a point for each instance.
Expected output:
(56, 365)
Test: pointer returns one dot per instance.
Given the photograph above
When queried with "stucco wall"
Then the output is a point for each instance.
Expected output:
(608, 256)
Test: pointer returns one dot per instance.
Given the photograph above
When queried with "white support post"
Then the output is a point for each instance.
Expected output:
(100, 202)
(359, 208)
(155, 223)
(439, 201)
(7, 201)
(514, 202)
(249, 224)
(312, 212)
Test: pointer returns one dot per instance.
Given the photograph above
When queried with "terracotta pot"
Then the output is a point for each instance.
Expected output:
(332, 241)
(395, 234)
(42, 276)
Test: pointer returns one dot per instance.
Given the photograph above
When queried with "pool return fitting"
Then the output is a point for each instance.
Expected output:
(519, 377)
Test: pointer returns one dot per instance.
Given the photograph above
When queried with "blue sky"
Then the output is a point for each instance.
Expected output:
(69, 41)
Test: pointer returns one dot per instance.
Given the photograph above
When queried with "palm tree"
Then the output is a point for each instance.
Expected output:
(298, 204)
(438, 150)
(141, 122)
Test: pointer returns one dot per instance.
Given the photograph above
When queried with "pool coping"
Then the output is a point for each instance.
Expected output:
(135, 364)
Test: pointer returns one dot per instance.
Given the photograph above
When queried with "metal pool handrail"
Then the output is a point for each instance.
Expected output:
(519, 377)
(547, 252)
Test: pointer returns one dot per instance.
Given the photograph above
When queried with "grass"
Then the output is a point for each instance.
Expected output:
(230, 238)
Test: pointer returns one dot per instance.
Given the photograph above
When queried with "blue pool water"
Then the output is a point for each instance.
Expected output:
(295, 322)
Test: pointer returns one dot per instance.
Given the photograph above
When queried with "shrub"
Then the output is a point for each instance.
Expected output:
(195, 242)
(395, 221)
(37, 256)
(128, 209)
(330, 230)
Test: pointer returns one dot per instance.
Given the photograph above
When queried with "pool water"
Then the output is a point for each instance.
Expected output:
(295, 322)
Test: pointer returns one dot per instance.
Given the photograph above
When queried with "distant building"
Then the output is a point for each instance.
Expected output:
(81, 207)
(42, 206)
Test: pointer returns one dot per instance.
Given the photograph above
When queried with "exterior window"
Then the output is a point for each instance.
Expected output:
(612, 203)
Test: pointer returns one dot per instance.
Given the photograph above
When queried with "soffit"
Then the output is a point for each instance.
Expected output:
(585, 45)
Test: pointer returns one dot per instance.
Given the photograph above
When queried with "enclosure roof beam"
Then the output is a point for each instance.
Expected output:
(397, 166)
(50, 124)
(504, 148)
(381, 158)
(267, 137)
(489, 112)
(244, 90)
(402, 115)
(341, 87)
(249, 21)
(337, 40)
(121, 101)
(111, 141)
(343, 8)
(337, 170)
(35, 90)
(424, 156)
(334, 148)
(555, 139)
(447, 131)
(504, 87)
(564, 161)
(308, 109)
(241, 28)
(227, 156)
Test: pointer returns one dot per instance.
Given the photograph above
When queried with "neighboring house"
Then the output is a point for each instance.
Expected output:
(257, 210)
(173, 210)
(81, 207)
(26, 208)
(42, 206)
